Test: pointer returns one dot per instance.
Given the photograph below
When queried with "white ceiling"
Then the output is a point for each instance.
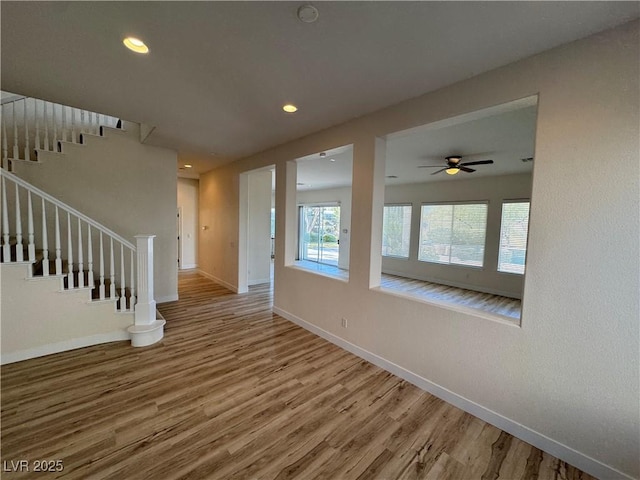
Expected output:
(218, 72)
(331, 171)
(504, 134)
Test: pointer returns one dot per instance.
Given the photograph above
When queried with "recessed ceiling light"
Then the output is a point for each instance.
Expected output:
(135, 45)
(289, 108)
(186, 165)
(323, 154)
(332, 159)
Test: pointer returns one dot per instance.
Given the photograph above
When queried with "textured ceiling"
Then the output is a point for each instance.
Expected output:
(219, 72)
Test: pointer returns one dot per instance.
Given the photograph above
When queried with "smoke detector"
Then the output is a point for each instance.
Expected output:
(307, 13)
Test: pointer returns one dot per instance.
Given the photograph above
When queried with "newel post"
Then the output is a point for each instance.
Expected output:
(145, 311)
(147, 328)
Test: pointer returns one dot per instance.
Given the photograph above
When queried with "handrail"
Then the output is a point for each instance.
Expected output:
(17, 180)
(13, 98)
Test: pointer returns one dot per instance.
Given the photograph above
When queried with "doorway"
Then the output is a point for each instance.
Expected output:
(256, 234)
(179, 228)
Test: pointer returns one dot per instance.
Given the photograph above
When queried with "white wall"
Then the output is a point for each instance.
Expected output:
(493, 190)
(343, 197)
(40, 318)
(125, 185)
(259, 228)
(188, 203)
(567, 379)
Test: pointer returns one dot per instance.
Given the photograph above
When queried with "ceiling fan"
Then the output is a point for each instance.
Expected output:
(454, 165)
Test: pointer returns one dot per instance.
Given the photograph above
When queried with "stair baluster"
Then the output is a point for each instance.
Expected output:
(31, 246)
(80, 257)
(91, 122)
(102, 295)
(27, 151)
(70, 252)
(132, 298)
(90, 257)
(35, 109)
(123, 298)
(73, 125)
(64, 125)
(58, 247)
(6, 246)
(19, 246)
(45, 243)
(16, 152)
(5, 148)
(55, 127)
(112, 273)
(82, 124)
(46, 127)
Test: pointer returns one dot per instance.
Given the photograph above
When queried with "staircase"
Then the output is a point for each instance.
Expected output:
(67, 281)
(31, 125)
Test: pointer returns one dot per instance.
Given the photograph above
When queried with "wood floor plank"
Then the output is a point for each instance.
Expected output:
(507, 307)
(235, 391)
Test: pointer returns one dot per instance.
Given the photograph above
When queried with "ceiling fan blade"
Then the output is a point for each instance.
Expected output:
(479, 162)
(465, 169)
(429, 166)
(441, 170)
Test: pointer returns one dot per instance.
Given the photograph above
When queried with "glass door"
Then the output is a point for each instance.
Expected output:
(319, 233)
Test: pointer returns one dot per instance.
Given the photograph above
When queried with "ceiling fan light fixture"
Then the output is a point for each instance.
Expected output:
(452, 170)
(135, 45)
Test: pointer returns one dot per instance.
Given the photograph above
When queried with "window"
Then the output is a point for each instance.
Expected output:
(513, 237)
(453, 233)
(396, 230)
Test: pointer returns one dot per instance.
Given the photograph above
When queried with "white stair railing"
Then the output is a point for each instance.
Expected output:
(82, 234)
(30, 124)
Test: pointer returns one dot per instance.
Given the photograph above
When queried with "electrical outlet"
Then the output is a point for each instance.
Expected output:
(344, 323)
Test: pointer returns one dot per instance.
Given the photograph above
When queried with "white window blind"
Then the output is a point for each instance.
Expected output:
(453, 233)
(396, 230)
(514, 229)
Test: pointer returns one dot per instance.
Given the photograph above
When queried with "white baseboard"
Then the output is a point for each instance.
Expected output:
(557, 449)
(449, 283)
(64, 346)
(167, 298)
(260, 281)
(189, 266)
(233, 288)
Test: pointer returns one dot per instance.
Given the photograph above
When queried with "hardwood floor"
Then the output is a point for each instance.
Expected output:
(487, 302)
(234, 391)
